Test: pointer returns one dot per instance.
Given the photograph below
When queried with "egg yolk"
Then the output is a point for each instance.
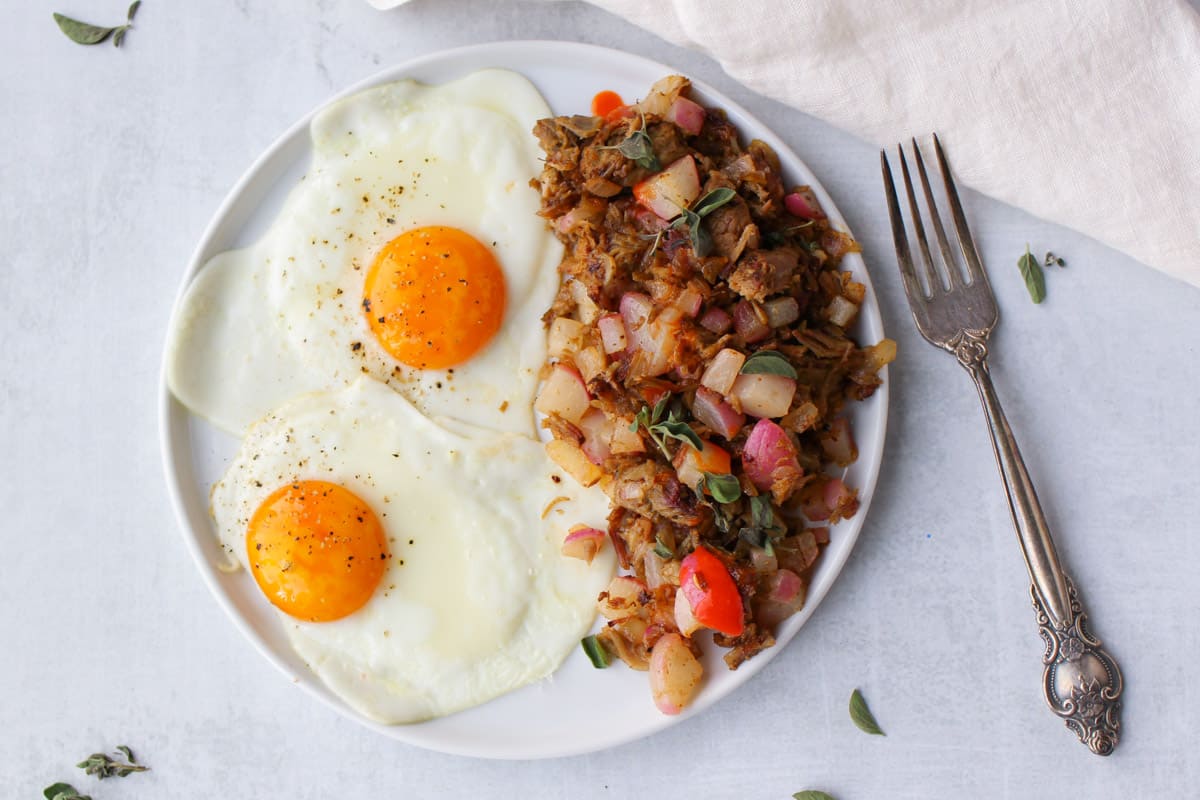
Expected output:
(317, 551)
(434, 297)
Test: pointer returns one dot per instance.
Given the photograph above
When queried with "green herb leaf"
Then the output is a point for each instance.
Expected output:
(761, 513)
(595, 652)
(676, 429)
(119, 36)
(713, 200)
(82, 32)
(768, 362)
(639, 148)
(1031, 271)
(861, 716)
(661, 550)
(660, 408)
(755, 537)
(811, 794)
(104, 766)
(63, 791)
(133, 9)
(723, 488)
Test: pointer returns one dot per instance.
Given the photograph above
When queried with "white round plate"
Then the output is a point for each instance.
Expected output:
(578, 709)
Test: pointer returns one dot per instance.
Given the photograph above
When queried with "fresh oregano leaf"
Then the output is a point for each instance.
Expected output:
(761, 513)
(639, 148)
(661, 550)
(1035, 280)
(672, 428)
(861, 716)
(133, 9)
(713, 200)
(63, 791)
(723, 488)
(82, 32)
(104, 766)
(119, 36)
(811, 794)
(768, 362)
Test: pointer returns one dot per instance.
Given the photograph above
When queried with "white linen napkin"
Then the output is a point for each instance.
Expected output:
(1084, 112)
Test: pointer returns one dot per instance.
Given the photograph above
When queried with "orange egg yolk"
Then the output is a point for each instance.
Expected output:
(434, 297)
(317, 551)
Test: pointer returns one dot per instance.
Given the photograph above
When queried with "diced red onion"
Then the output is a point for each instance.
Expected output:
(612, 333)
(781, 311)
(768, 455)
(716, 320)
(711, 409)
(748, 324)
(583, 543)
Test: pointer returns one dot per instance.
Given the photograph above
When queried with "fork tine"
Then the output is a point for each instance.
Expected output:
(931, 276)
(912, 287)
(966, 241)
(948, 263)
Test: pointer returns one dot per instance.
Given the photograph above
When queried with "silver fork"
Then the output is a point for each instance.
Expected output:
(1081, 682)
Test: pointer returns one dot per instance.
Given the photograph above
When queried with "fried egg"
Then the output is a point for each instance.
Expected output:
(417, 570)
(411, 251)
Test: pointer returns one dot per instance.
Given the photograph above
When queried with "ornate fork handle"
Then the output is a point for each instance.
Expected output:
(1081, 681)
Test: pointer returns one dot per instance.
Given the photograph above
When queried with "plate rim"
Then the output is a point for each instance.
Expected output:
(172, 416)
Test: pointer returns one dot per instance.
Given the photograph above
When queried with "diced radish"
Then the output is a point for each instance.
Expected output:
(591, 362)
(784, 595)
(612, 333)
(750, 324)
(832, 500)
(716, 320)
(675, 674)
(583, 543)
(653, 343)
(597, 434)
(840, 498)
(764, 562)
(564, 393)
(803, 203)
(565, 336)
(781, 311)
(689, 302)
(820, 535)
(768, 455)
(670, 191)
(685, 620)
(573, 461)
(691, 464)
(625, 440)
(620, 599)
(722, 371)
(838, 443)
(687, 115)
(764, 395)
(710, 408)
(841, 312)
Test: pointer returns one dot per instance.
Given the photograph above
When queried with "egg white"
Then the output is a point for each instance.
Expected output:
(477, 599)
(284, 316)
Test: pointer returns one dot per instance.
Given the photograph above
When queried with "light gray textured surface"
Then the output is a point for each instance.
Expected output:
(113, 163)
